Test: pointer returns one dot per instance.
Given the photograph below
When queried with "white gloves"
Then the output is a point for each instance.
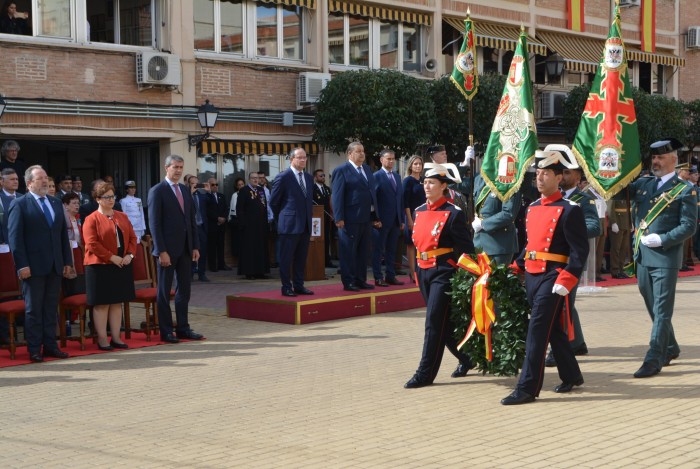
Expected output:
(560, 290)
(476, 224)
(651, 241)
(468, 156)
(615, 228)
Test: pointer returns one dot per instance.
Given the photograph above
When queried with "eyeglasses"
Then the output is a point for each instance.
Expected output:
(214, 185)
(321, 175)
(107, 197)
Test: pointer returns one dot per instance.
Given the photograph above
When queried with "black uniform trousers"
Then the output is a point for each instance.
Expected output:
(545, 327)
(439, 329)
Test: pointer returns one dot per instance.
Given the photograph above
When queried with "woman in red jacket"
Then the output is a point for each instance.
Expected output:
(110, 243)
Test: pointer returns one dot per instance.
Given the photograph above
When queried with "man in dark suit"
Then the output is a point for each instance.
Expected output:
(171, 219)
(10, 184)
(217, 212)
(291, 201)
(322, 196)
(65, 185)
(39, 243)
(354, 209)
(390, 208)
(200, 197)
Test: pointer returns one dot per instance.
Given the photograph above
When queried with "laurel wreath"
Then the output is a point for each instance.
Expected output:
(508, 332)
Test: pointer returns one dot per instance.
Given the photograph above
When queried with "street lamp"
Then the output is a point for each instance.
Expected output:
(207, 115)
(554, 65)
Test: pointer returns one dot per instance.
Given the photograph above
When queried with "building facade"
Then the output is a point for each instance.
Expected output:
(100, 87)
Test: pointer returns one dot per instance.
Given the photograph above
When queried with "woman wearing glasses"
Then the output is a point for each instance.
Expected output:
(110, 243)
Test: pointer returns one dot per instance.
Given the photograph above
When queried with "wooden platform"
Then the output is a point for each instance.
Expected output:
(328, 302)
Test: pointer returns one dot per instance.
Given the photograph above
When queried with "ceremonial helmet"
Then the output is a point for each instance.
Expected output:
(555, 156)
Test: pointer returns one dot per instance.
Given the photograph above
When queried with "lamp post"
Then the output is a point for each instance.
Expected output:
(554, 65)
(207, 115)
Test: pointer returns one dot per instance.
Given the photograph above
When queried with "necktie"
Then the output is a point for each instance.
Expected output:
(658, 182)
(178, 194)
(391, 178)
(359, 170)
(301, 183)
(45, 209)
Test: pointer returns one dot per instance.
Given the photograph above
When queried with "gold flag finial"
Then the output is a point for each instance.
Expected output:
(468, 11)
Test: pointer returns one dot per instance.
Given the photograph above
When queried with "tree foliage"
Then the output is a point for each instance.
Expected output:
(452, 129)
(380, 108)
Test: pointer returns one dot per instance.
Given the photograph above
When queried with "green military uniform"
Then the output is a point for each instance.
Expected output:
(498, 237)
(620, 242)
(657, 268)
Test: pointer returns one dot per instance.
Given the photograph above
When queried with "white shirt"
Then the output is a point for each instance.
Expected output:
(665, 178)
(133, 208)
(41, 206)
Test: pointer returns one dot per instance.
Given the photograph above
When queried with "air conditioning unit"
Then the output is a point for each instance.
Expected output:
(157, 68)
(309, 86)
(630, 3)
(692, 40)
(552, 104)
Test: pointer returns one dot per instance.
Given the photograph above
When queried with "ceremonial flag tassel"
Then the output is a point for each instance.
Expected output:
(607, 141)
(513, 140)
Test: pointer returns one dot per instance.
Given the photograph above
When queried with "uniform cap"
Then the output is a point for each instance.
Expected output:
(130, 184)
(665, 145)
(65, 177)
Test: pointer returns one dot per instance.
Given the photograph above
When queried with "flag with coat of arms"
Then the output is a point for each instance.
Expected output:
(513, 140)
(607, 140)
(464, 75)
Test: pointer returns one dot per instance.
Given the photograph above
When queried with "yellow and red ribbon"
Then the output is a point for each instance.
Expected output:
(483, 314)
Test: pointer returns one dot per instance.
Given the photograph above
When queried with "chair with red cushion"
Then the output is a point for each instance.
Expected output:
(10, 288)
(74, 304)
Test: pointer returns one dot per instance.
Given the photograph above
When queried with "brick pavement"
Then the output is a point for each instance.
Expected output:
(264, 395)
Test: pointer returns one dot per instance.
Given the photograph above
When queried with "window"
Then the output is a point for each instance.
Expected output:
(127, 22)
(249, 29)
(374, 43)
(650, 77)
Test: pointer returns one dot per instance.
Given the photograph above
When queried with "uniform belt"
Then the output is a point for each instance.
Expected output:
(546, 256)
(424, 256)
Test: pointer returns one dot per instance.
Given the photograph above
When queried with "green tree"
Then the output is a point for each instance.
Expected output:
(692, 114)
(380, 108)
(452, 113)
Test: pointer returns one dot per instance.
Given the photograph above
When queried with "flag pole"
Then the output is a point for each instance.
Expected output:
(472, 166)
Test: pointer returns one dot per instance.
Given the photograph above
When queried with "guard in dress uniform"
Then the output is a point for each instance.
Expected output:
(133, 207)
(665, 215)
(553, 260)
(620, 234)
(440, 235)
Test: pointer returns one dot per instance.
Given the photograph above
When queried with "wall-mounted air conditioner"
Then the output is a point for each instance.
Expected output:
(158, 68)
(692, 40)
(552, 104)
(309, 86)
(630, 3)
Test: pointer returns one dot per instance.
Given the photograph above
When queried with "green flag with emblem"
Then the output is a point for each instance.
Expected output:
(464, 75)
(607, 140)
(513, 140)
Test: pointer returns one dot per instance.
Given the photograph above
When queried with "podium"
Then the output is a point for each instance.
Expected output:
(315, 260)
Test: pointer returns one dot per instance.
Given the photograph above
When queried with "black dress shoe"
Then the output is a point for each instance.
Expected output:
(36, 358)
(250, 277)
(646, 370)
(119, 345)
(55, 353)
(263, 277)
(619, 276)
(303, 291)
(393, 281)
(671, 357)
(169, 338)
(365, 286)
(567, 387)
(517, 397)
(330, 265)
(191, 335)
(350, 287)
(105, 348)
(401, 272)
(380, 283)
(288, 292)
(685, 268)
(204, 278)
(225, 268)
(549, 362)
(581, 350)
(461, 370)
(604, 271)
(416, 382)
(599, 279)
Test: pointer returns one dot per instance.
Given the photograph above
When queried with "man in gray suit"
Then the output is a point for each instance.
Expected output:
(39, 243)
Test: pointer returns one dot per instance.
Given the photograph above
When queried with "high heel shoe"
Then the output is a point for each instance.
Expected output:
(120, 345)
(105, 348)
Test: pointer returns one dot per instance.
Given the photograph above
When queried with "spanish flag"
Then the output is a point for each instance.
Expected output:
(647, 19)
(577, 21)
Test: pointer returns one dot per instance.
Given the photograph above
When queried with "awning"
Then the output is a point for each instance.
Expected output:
(383, 13)
(498, 36)
(310, 4)
(244, 147)
(582, 54)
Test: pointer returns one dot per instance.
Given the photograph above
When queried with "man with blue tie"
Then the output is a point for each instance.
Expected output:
(38, 239)
(355, 211)
(171, 219)
(390, 208)
(291, 200)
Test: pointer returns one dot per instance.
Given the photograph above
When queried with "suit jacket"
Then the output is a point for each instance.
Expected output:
(35, 244)
(590, 212)
(101, 240)
(202, 203)
(172, 230)
(353, 195)
(4, 214)
(216, 207)
(674, 224)
(498, 235)
(292, 208)
(389, 200)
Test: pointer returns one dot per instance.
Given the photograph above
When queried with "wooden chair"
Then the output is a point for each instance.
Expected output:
(146, 283)
(10, 288)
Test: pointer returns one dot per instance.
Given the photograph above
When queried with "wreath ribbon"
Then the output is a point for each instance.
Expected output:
(483, 314)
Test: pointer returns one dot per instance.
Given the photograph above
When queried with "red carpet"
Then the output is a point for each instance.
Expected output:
(138, 340)
(328, 302)
(614, 282)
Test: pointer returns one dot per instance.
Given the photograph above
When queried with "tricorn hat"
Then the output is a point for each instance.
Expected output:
(445, 172)
(665, 145)
(555, 156)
